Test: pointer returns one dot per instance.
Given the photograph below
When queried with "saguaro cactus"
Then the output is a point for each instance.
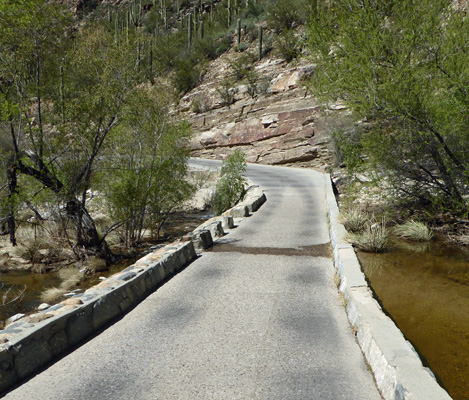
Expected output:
(136, 13)
(62, 92)
(189, 32)
(116, 29)
(260, 42)
(239, 33)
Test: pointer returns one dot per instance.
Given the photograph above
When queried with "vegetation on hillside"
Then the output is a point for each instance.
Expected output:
(84, 110)
(402, 67)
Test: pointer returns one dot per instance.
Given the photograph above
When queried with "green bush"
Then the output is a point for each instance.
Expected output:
(231, 184)
(288, 45)
(242, 66)
(186, 74)
(286, 14)
(227, 92)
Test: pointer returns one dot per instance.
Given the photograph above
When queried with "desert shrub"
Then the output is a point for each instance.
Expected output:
(167, 49)
(286, 14)
(201, 104)
(50, 294)
(267, 44)
(262, 85)
(70, 278)
(149, 163)
(207, 48)
(227, 92)
(348, 148)
(250, 30)
(354, 219)
(242, 47)
(255, 9)
(413, 230)
(186, 74)
(373, 239)
(416, 108)
(230, 187)
(288, 45)
(242, 66)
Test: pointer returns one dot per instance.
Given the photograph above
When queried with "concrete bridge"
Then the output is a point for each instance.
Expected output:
(258, 316)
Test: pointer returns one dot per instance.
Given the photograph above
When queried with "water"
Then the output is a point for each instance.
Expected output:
(14, 282)
(425, 289)
(179, 223)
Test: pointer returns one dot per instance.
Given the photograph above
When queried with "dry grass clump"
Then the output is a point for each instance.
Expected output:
(354, 219)
(70, 277)
(373, 239)
(50, 294)
(414, 230)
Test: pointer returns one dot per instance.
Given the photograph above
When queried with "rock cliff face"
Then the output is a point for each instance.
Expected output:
(281, 124)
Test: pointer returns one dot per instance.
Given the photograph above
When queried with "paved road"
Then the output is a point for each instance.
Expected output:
(258, 317)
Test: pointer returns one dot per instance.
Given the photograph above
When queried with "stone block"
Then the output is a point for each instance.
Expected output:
(240, 211)
(227, 221)
(58, 343)
(151, 279)
(215, 227)
(189, 252)
(6, 360)
(32, 356)
(202, 239)
(7, 379)
(79, 326)
(139, 288)
(160, 272)
(106, 309)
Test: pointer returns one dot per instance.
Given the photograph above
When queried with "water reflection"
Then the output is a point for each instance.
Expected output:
(15, 281)
(425, 288)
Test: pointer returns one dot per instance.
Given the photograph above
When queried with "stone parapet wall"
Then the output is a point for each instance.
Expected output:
(34, 341)
(396, 366)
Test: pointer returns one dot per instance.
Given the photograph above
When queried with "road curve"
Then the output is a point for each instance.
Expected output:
(257, 317)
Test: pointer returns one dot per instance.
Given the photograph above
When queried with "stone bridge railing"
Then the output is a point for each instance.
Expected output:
(34, 341)
(397, 367)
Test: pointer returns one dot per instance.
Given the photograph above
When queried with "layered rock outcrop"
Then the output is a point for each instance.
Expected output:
(280, 124)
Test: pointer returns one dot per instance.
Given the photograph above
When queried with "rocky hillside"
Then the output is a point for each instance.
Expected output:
(273, 120)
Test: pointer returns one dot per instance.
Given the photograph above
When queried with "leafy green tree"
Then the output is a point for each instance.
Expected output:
(61, 105)
(402, 67)
(31, 39)
(149, 166)
(231, 184)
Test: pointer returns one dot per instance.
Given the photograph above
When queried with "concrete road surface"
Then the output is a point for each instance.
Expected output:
(257, 317)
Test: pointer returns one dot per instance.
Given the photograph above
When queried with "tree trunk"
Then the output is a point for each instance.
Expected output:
(87, 234)
(12, 190)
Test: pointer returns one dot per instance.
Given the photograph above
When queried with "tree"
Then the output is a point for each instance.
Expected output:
(402, 67)
(29, 45)
(61, 105)
(148, 164)
(231, 184)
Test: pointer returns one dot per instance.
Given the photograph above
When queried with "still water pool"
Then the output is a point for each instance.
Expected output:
(425, 290)
(13, 283)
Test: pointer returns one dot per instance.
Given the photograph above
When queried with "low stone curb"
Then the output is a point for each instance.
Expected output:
(253, 200)
(396, 366)
(33, 341)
